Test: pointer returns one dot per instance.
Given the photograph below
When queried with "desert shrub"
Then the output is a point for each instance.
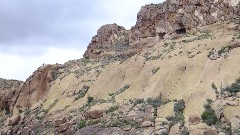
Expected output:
(121, 90)
(89, 99)
(185, 131)
(138, 101)
(234, 87)
(82, 124)
(82, 93)
(175, 119)
(112, 109)
(155, 70)
(27, 111)
(179, 106)
(157, 102)
(214, 86)
(209, 117)
(117, 122)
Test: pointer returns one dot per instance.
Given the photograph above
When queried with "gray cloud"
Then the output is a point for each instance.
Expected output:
(29, 28)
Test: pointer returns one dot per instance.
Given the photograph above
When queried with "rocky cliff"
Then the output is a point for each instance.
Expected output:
(36, 87)
(155, 22)
(9, 89)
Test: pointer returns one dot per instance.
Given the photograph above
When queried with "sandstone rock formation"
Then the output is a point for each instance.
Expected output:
(9, 90)
(176, 16)
(159, 21)
(111, 41)
(36, 87)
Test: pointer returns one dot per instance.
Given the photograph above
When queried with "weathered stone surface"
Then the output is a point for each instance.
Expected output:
(235, 125)
(58, 122)
(111, 41)
(12, 121)
(176, 16)
(9, 90)
(147, 124)
(36, 87)
(161, 21)
(194, 119)
(94, 114)
(64, 127)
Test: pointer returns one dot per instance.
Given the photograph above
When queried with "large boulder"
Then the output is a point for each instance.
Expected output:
(93, 114)
(12, 121)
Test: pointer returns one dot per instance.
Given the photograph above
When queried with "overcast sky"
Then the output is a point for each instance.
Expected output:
(33, 32)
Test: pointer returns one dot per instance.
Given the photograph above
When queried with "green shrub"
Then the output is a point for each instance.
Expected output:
(157, 102)
(214, 86)
(82, 93)
(82, 124)
(234, 87)
(185, 131)
(112, 109)
(175, 119)
(27, 111)
(90, 99)
(138, 101)
(179, 106)
(209, 117)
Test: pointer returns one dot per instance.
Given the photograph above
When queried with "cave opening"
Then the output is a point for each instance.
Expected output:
(181, 30)
(161, 35)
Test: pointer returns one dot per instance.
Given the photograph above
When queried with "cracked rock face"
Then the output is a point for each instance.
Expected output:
(159, 21)
(8, 93)
(35, 88)
(111, 40)
(176, 16)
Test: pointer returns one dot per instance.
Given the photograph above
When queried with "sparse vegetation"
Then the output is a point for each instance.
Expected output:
(89, 99)
(233, 88)
(138, 101)
(121, 90)
(121, 122)
(112, 109)
(82, 124)
(51, 106)
(209, 117)
(214, 86)
(157, 102)
(155, 70)
(179, 106)
(82, 93)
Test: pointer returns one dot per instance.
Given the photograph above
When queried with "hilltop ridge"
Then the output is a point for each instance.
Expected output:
(155, 22)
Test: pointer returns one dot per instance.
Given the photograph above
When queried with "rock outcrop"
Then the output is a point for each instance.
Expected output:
(36, 87)
(111, 41)
(9, 90)
(167, 20)
(173, 17)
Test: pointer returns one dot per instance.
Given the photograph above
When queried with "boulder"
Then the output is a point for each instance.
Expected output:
(64, 127)
(12, 121)
(147, 124)
(93, 114)
(238, 95)
(194, 119)
(58, 122)
(235, 124)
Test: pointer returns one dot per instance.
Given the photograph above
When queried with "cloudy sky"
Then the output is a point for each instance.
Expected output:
(33, 32)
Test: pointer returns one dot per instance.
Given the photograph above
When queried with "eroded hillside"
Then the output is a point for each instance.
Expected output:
(173, 81)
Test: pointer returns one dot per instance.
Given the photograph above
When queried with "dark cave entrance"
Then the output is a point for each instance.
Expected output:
(181, 30)
(161, 35)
